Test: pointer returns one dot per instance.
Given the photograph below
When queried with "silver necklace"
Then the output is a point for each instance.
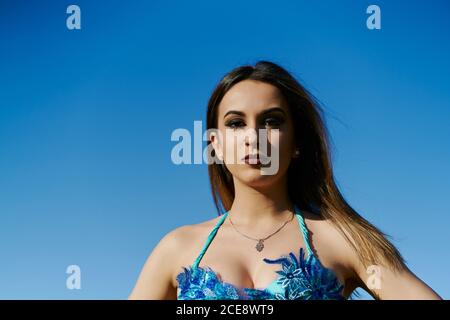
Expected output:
(260, 245)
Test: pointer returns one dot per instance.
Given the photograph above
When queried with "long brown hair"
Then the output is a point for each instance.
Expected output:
(311, 183)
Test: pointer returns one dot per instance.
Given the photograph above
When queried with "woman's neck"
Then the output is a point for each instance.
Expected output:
(260, 206)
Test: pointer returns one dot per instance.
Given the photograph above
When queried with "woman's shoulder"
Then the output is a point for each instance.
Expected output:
(332, 247)
(184, 243)
(180, 244)
(190, 232)
(157, 278)
(327, 233)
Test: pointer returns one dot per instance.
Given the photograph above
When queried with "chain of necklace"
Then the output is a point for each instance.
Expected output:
(260, 245)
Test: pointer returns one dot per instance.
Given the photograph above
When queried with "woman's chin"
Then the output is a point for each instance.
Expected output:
(254, 178)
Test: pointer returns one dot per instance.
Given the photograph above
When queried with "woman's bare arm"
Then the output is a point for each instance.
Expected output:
(155, 280)
(386, 284)
(380, 282)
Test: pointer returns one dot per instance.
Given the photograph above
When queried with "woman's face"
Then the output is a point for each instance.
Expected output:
(253, 114)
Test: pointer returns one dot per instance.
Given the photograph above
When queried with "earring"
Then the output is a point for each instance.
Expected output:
(296, 153)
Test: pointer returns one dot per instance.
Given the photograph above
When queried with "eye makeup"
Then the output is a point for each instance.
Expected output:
(271, 118)
(235, 123)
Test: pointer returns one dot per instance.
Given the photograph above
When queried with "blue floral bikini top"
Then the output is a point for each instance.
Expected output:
(299, 278)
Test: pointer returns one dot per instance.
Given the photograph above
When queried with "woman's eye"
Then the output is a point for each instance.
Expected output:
(235, 124)
(273, 122)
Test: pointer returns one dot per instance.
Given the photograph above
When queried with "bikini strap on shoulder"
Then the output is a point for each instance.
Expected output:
(304, 230)
(211, 236)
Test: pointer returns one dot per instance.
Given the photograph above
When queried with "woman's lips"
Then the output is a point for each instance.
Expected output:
(252, 159)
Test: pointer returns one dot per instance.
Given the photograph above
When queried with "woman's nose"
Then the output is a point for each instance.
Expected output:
(251, 138)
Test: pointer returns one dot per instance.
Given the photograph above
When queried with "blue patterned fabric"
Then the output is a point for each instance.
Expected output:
(299, 278)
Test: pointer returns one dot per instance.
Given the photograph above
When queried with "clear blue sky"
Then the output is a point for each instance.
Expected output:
(86, 118)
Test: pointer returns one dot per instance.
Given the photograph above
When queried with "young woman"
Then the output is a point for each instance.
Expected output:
(286, 235)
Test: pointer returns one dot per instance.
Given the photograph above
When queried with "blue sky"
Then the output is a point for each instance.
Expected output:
(86, 118)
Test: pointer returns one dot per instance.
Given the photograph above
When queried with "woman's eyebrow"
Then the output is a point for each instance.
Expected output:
(240, 113)
(274, 109)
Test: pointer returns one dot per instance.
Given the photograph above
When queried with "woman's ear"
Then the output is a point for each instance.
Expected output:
(216, 142)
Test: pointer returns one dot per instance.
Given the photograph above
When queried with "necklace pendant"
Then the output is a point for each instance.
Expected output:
(260, 245)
